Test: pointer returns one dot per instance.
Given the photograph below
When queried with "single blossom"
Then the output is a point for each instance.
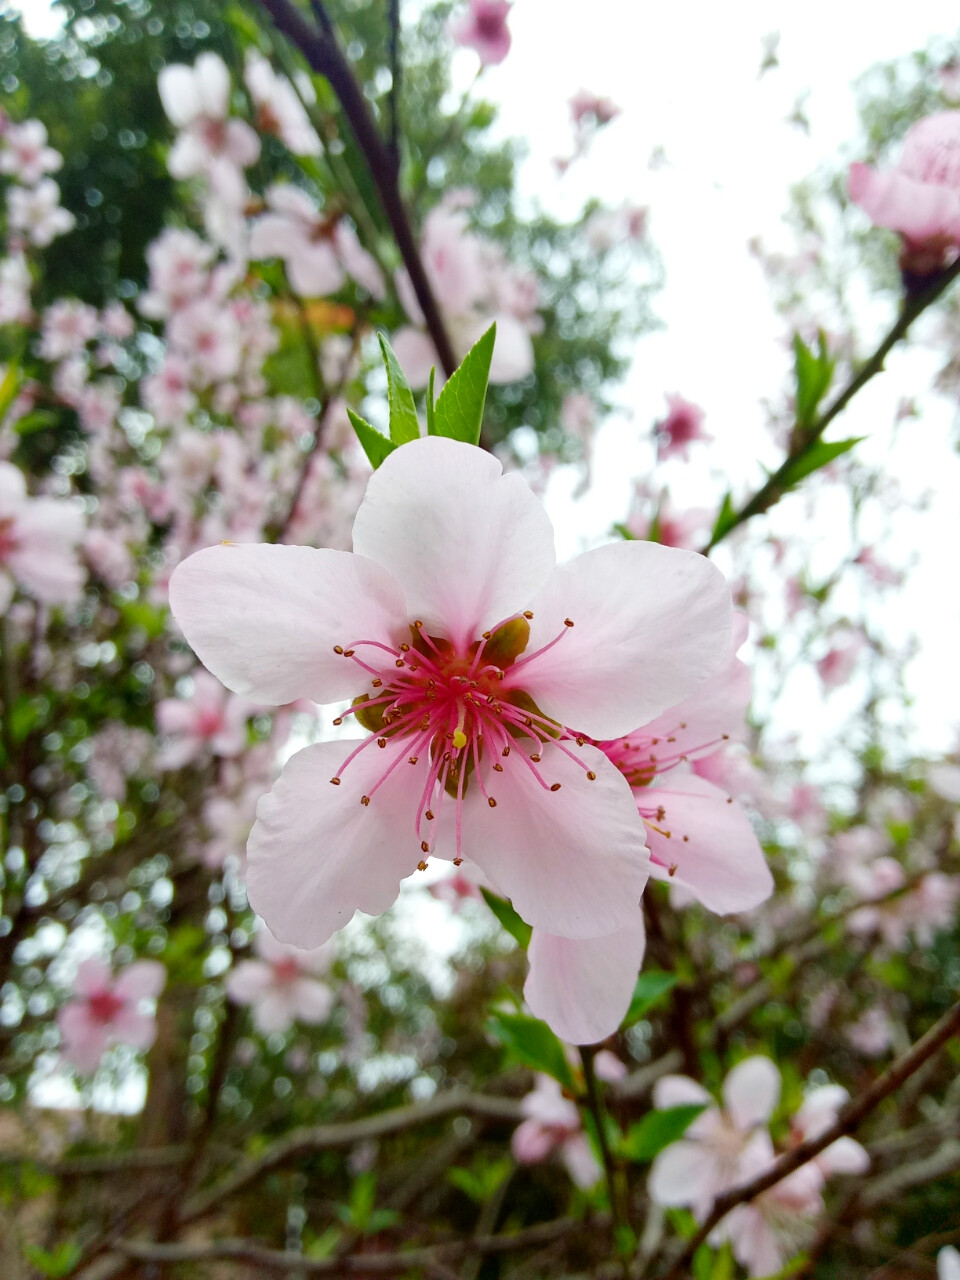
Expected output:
(209, 720)
(197, 102)
(721, 1144)
(552, 1124)
(479, 669)
(105, 1009)
(483, 27)
(682, 427)
(36, 211)
(38, 539)
(279, 109)
(282, 986)
(24, 154)
(920, 197)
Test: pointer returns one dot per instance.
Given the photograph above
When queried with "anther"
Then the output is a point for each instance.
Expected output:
(458, 862)
(418, 624)
(335, 781)
(555, 787)
(686, 839)
(348, 653)
(568, 622)
(536, 759)
(338, 648)
(528, 614)
(424, 846)
(491, 802)
(404, 648)
(591, 776)
(498, 768)
(421, 865)
(381, 743)
(378, 683)
(581, 742)
(364, 800)
(487, 635)
(413, 759)
(505, 751)
(429, 815)
(725, 736)
(399, 662)
(672, 869)
(339, 720)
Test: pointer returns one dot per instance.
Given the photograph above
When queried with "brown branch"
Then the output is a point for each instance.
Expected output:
(321, 50)
(847, 1121)
(311, 1138)
(375, 1263)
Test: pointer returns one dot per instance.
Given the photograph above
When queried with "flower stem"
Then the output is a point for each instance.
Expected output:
(624, 1240)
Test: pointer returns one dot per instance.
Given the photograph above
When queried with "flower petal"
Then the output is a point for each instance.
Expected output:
(679, 1091)
(265, 619)
(751, 1091)
(248, 981)
(682, 1174)
(582, 988)
(469, 545)
(843, 1156)
(572, 861)
(711, 844)
(143, 980)
(316, 854)
(651, 624)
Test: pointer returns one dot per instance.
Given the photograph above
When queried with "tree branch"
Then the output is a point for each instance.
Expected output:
(847, 1120)
(320, 48)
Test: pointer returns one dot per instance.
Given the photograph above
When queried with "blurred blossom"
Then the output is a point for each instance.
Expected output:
(283, 985)
(682, 427)
(872, 1033)
(552, 1124)
(483, 27)
(105, 1009)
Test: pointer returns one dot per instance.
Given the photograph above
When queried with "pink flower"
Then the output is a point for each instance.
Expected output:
(699, 838)
(839, 663)
(872, 1033)
(282, 986)
(24, 154)
(721, 1144)
(483, 28)
(210, 719)
(38, 539)
(319, 251)
(37, 212)
(920, 198)
(553, 1124)
(817, 1113)
(775, 1225)
(279, 110)
(682, 426)
(197, 101)
(587, 106)
(105, 1009)
(467, 654)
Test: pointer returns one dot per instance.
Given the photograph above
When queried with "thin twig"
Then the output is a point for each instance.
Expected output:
(847, 1121)
(620, 1222)
(774, 488)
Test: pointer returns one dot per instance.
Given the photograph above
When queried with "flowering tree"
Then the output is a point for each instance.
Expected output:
(381, 896)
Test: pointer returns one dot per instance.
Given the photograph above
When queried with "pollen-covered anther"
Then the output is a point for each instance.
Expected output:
(498, 767)
(335, 781)
(429, 815)
(338, 721)
(528, 614)
(491, 802)
(364, 800)
(568, 622)
(555, 786)
(536, 758)
(421, 865)
(338, 648)
(458, 862)
(591, 776)
(425, 847)
(348, 653)
(378, 683)
(381, 743)
(672, 869)
(413, 760)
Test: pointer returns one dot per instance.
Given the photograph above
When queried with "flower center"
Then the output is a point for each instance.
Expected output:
(285, 971)
(104, 1006)
(449, 707)
(8, 537)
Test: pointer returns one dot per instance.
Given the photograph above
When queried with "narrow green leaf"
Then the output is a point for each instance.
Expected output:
(54, 1262)
(404, 423)
(818, 455)
(431, 403)
(8, 387)
(657, 1130)
(459, 409)
(725, 519)
(502, 909)
(533, 1044)
(624, 532)
(375, 446)
(814, 373)
(652, 986)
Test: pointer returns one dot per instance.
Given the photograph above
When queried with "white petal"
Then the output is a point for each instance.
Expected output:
(751, 1091)
(469, 545)
(682, 1174)
(265, 619)
(316, 854)
(179, 94)
(572, 861)
(582, 988)
(651, 624)
(711, 844)
(844, 1156)
(679, 1091)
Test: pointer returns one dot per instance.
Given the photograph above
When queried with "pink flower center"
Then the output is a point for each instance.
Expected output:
(490, 23)
(209, 722)
(8, 537)
(286, 971)
(453, 706)
(104, 1006)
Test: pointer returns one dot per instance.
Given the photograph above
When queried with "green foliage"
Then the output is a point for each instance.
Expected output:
(657, 1130)
(375, 445)
(361, 1213)
(652, 986)
(484, 1180)
(726, 519)
(817, 456)
(459, 409)
(404, 423)
(518, 929)
(531, 1043)
(59, 1261)
(814, 373)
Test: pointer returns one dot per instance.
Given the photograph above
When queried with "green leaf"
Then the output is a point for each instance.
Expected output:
(54, 1262)
(814, 373)
(431, 403)
(725, 520)
(9, 385)
(657, 1130)
(459, 410)
(623, 531)
(502, 909)
(533, 1044)
(375, 446)
(652, 986)
(818, 455)
(404, 423)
